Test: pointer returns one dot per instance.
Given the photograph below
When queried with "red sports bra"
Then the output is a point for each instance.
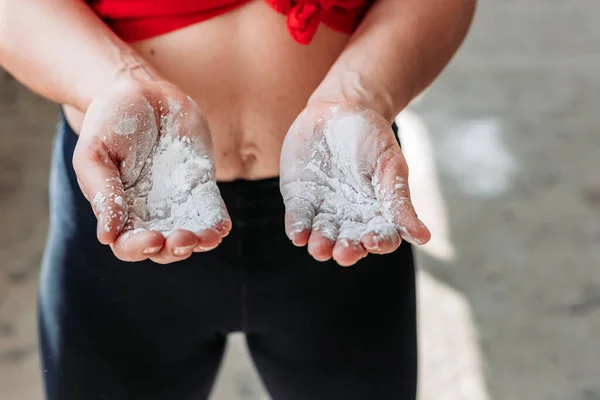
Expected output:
(141, 19)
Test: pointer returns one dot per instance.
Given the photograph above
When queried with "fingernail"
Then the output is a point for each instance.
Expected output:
(206, 248)
(151, 250)
(201, 249)
(418, 241)
(409, 238)
(182, 251)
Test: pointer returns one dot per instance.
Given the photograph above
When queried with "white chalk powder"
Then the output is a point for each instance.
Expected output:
(126, 126)
(334, 186)
(176, 188)
(108, 212)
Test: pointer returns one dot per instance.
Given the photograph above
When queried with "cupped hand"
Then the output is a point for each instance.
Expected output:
(344, 184)
(145, 162)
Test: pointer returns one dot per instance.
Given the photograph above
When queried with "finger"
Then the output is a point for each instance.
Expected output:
(323, 236)
(381, 237)
(398, 208)
(298, 220)
(138, 245)
(348, 249)
(223, 226)
(210, 208)
(391, 189)
(179, 245)
(100, 182)
(208, 239)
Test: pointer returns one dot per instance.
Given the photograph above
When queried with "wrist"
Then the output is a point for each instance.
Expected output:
(134, 67)
(355, 89)
(127, 71)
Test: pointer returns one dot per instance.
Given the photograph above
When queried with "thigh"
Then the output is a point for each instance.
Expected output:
(115, 330)
(320, 331)
(109, 337)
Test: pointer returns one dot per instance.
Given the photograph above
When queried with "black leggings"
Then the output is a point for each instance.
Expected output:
(114, 330)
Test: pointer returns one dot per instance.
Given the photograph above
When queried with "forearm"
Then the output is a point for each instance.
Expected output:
(397, 51)
(63, 51)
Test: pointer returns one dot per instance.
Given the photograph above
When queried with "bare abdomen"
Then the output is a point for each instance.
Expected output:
(249, 77)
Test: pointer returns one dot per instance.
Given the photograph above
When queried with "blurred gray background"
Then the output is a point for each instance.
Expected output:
(504, 152)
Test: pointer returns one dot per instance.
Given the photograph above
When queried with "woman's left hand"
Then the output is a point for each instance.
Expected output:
(344, 182)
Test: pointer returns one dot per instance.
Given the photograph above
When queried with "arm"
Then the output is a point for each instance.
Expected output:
(344, 179)
(411, 41)
(63, 51)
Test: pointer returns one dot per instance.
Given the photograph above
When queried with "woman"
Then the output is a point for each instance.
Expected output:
(139, 92)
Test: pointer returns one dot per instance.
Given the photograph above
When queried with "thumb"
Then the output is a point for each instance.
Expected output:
(390, 182)
(100, 182)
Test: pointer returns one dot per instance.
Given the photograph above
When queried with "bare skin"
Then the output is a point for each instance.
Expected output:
(343, 179)
(108, 162)
(250, 88)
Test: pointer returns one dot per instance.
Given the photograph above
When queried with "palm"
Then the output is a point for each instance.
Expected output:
(158, 173)
(169, 180)
(343, 179)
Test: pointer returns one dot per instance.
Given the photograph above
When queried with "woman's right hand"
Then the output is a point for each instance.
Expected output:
(144, 160)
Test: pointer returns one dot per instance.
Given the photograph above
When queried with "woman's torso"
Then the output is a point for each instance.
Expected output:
(249, 77)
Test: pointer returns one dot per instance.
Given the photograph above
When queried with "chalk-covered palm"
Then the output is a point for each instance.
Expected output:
(124, 134)
(344, 184)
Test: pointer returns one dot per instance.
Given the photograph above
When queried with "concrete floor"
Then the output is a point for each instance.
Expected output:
(504, 152)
